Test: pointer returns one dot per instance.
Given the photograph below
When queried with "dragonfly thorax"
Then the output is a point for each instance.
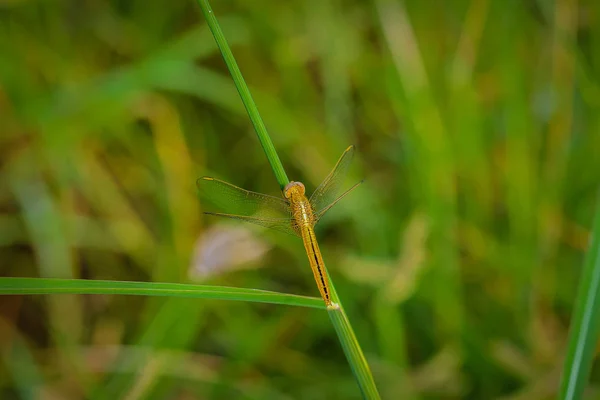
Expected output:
(293, 188)
(300, 207)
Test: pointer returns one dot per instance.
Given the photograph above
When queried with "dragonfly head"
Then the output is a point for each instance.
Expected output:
(293, 188)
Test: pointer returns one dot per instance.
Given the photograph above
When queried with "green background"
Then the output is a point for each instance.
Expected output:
(457, 260)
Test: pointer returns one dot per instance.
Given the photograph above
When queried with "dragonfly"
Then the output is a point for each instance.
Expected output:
(294, 213)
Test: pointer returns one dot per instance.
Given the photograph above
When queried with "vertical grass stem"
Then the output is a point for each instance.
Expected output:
(354, 355)
(242, 88)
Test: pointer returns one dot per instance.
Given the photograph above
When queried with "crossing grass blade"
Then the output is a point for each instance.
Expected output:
(31, 286)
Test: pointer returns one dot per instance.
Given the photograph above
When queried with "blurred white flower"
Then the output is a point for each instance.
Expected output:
(221, 249)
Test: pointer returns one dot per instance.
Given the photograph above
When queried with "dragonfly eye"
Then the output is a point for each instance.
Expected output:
(293, 187)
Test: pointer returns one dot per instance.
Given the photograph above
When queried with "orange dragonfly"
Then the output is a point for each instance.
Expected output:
(294, 214)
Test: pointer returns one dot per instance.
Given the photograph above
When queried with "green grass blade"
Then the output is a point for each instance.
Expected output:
(353, 352)
(244, 92)
(585, 325)
(354, 355)
(25, 286)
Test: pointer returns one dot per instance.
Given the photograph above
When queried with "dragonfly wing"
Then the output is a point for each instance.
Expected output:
(327, 192)
(284, 225)
(322, 212)
(235, 200)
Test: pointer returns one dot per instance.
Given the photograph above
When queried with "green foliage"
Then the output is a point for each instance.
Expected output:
(458, 260)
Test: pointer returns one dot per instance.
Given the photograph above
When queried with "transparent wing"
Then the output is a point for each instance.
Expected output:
(241, 204)
(328, 191)
(285, 225)
(235, 200)
(322, 212)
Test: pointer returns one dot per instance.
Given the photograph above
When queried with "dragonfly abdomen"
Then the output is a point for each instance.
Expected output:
(304, 218)
(316, 262)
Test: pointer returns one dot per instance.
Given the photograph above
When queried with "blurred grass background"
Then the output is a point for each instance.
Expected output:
(457, 260)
